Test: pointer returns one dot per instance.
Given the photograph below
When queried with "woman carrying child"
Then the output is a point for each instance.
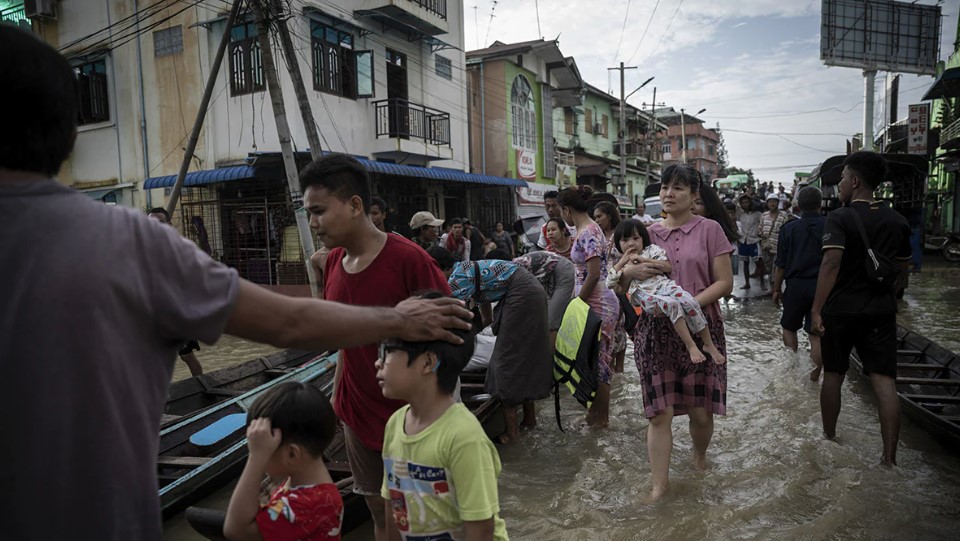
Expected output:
(698, 260)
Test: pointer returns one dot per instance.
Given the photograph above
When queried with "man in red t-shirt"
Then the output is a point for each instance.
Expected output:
(365, 267)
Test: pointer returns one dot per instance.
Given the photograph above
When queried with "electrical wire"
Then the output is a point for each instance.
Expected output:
(623, 30)
(644, 35)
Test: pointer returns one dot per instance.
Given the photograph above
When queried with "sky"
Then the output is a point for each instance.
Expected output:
(754, 65)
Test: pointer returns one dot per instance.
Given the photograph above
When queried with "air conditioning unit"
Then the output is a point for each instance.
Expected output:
(597, 128)
(40, 9)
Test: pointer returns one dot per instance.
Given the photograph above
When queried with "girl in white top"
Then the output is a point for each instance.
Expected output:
(660, 294)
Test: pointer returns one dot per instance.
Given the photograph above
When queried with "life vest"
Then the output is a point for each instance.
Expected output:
(576, 354)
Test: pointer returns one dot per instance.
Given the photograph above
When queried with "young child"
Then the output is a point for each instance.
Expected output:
(440, 468)
(659, 292)
(288, 427)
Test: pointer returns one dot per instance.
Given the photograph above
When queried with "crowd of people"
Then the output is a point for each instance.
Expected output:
(100, 300)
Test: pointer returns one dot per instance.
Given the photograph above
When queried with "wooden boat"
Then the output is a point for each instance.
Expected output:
(192, 395)
(928, 384)
(209, 522)
(200, 453)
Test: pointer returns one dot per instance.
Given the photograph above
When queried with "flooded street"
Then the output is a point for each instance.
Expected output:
(772, 477)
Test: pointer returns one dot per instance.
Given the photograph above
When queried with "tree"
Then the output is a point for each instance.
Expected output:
(723, 160)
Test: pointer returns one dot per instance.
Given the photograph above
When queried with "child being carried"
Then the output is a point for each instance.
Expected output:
(659, 294)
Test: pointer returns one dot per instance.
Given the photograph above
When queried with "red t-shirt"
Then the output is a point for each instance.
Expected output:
(400, 269)
(311, 513)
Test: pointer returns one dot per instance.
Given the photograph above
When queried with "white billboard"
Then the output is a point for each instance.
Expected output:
(880, 35)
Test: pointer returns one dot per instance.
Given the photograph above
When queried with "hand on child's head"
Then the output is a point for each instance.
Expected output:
(262, 439)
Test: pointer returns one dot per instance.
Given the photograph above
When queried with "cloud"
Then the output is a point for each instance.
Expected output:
(755, 82)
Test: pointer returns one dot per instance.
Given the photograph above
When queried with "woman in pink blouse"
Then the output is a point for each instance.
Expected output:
(699, 254)
(589, 256)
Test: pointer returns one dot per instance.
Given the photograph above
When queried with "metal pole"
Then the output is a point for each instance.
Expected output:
(683, 137)
(286, 144)
(143, 110)
(202, 111)
(653, 115)
(869, 77)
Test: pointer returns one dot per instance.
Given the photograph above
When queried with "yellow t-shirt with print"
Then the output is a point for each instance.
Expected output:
(441, 477)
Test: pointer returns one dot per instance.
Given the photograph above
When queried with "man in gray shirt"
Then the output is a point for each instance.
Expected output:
(95, 302)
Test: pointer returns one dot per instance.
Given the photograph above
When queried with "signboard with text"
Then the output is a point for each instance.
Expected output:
(918, 127)
(526, 163)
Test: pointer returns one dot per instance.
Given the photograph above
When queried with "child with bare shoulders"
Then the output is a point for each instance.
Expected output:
(660, 294)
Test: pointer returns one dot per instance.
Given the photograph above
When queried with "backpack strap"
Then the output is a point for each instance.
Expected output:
(863, 236)
(476, 281)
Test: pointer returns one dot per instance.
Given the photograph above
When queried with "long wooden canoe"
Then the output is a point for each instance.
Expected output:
(190, 396)
(199, 454)
(928, 384)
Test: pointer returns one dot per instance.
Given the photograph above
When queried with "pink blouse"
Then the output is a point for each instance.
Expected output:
(691, 249)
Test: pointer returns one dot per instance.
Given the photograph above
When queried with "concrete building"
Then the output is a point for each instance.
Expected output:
(700, 147)
(943, 188)
(386, 82)
(514, 91)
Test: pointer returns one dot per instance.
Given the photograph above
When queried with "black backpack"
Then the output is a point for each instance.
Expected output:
(882, 270)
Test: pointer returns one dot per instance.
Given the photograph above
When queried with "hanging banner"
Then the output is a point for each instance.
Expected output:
(917, 128)
(526, 163)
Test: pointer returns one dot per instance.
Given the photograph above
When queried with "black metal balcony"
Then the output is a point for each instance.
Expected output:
(398, 118)
(437, 7)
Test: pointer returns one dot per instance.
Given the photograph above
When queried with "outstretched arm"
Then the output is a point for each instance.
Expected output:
(263, 316)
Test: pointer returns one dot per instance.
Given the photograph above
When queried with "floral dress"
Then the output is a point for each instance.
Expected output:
(591, 243)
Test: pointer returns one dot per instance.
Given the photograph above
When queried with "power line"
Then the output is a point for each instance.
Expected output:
(654, 12)
(622, 31)
(665, 32)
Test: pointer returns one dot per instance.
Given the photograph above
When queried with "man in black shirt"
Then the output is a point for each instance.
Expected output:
(799, 252)
(850, 312)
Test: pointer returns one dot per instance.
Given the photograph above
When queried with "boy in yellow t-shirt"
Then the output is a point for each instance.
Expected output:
(440, 468)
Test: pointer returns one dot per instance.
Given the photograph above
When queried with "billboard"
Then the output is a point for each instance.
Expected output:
(880, 35)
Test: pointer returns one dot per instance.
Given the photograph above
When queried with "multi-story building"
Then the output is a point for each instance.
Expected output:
(385, 80)
(943, 188)
(591, 134)
(514, 90)
(700, 147)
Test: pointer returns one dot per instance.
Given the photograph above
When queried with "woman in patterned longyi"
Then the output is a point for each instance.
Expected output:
(589, 256)
(699, 255)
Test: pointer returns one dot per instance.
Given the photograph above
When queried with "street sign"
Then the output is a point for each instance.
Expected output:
(918, 127)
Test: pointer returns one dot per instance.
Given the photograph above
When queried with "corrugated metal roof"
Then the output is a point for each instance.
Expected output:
(199, 178)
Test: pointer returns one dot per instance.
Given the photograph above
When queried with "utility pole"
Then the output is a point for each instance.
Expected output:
(283, 134)
(293, 67)
(202, 111)
(683, 137)
(623, 128)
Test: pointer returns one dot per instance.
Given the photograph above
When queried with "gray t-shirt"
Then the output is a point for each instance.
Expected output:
(94, 302)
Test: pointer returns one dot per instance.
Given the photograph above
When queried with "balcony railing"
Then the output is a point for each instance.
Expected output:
(15, 16)
(950, 134)
(437, 7)
(403, 119)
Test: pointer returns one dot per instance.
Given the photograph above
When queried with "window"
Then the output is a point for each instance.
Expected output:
(588, 120)
(665, 147)
(168, 41)
(569, 121)
(711, 150)
(337, 68)
(691, 143)
(605, 126)
(524, 114)
(92, 85)
(246, 64)
(444, 67)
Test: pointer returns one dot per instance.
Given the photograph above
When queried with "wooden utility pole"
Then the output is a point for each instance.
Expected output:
(202, 111)
(283, 134)
(290, 54)
(623, 128)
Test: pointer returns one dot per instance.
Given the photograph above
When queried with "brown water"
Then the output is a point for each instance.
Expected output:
(228, 351)
(773, 476)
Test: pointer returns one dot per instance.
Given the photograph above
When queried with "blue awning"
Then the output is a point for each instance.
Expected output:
(223, 174)
(199, 178)
(438, 173)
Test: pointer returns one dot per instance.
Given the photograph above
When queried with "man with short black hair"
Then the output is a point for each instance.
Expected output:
(365, 267)
(851, 312)
(799, 253)
(379, 213)
(552, 209)
(96, 301)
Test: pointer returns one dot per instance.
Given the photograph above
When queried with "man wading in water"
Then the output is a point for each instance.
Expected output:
(96, 302)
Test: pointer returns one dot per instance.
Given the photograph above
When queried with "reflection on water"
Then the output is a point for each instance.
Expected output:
(772, 476)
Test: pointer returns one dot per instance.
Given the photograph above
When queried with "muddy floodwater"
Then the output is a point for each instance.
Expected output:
(773, 476)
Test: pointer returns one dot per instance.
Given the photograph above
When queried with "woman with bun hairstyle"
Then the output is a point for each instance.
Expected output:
(698, 260)
(589, 255)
